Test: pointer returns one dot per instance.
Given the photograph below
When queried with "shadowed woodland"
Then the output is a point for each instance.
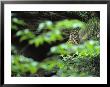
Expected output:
(55, 43)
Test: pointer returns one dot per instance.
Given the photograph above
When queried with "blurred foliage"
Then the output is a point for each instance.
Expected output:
(64, 24)
(50, 67)
(13, 50)
(53, 33)
(67, 59)
(15, 22)
(50, 64)
(82, 58)
(88, 49)
(22, 65)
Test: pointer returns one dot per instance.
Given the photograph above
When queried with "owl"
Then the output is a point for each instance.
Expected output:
(74, 36)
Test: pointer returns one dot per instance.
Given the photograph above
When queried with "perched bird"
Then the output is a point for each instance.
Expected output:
(74, 36)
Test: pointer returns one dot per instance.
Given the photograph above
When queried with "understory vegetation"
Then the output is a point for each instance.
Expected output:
(55, 44)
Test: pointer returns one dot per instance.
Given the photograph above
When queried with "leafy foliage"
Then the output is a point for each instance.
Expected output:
(82, 59)
(50, 67)
(67, 59)
(17, 22)
(54, 31)
(89, 48)
(81, 67)
(22, 65)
